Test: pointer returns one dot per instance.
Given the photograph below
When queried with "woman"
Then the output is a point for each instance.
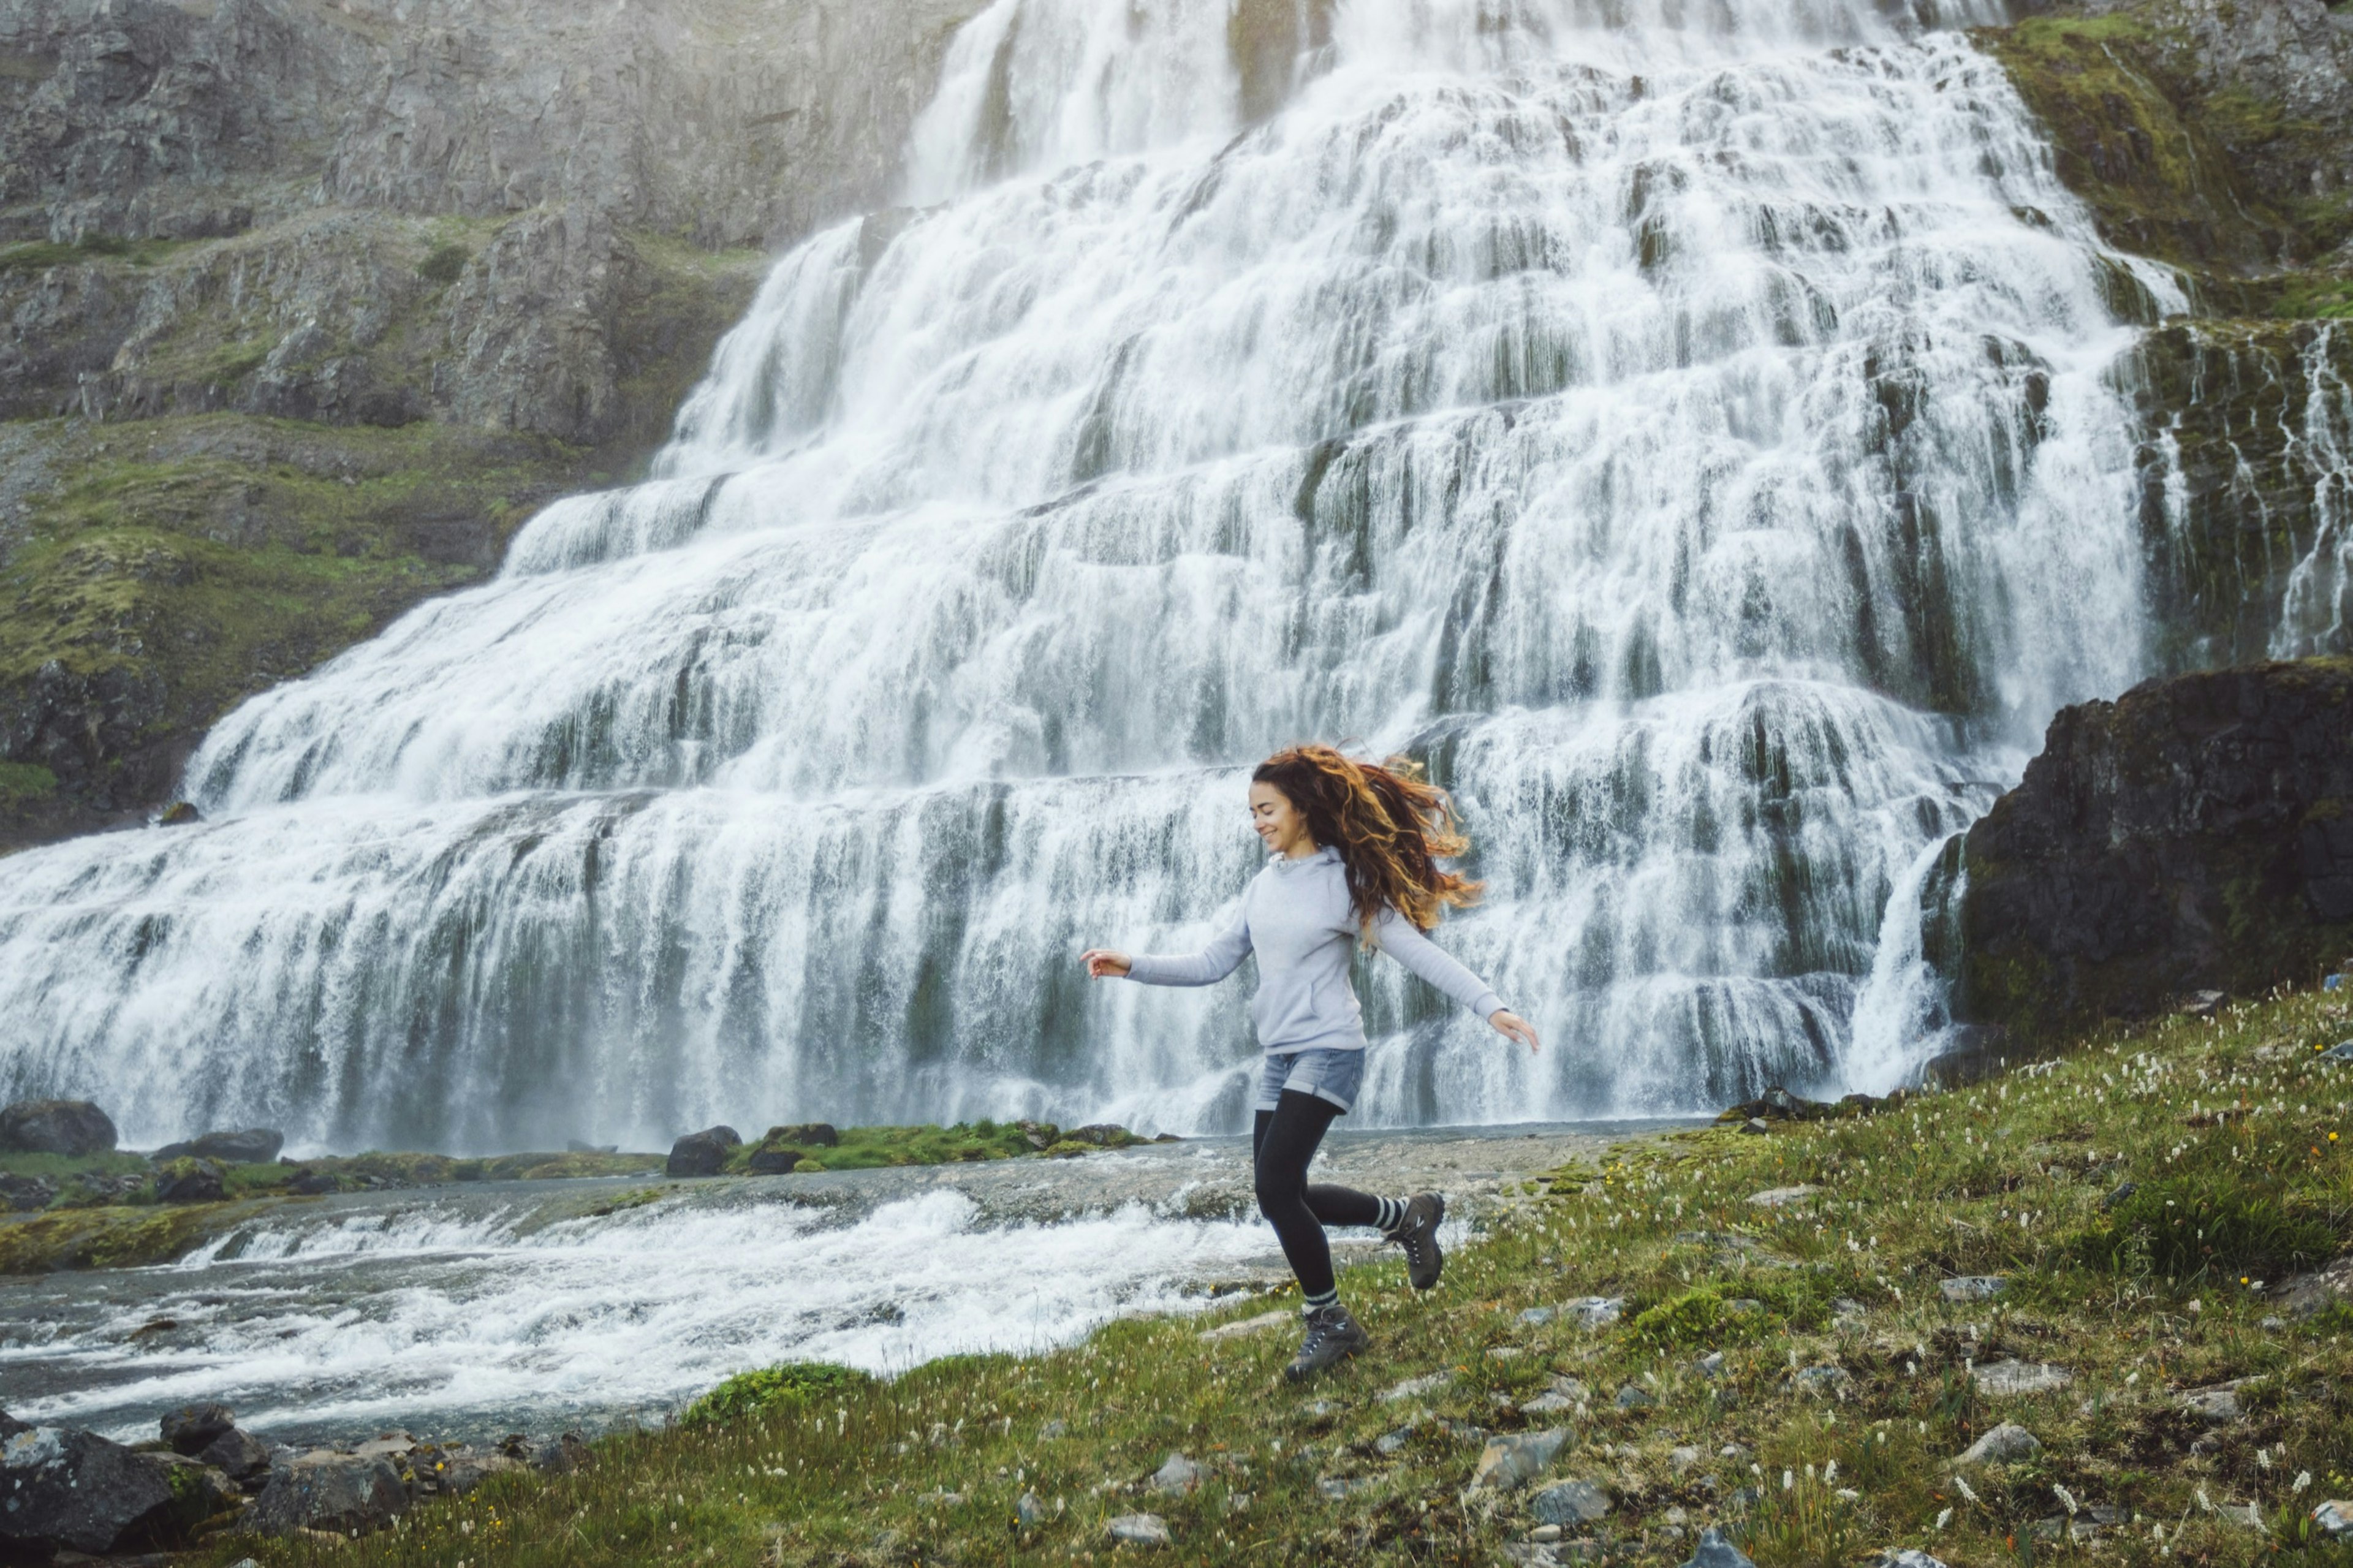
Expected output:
(1354, 857)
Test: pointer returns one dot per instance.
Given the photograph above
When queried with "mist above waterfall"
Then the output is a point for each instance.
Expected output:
(1686, 426)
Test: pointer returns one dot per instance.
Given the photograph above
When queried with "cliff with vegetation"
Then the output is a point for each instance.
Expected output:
(306, 304)
(2216, 137)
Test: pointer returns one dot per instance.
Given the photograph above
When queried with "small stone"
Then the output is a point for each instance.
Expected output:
(1265, 1322)
(1338, 1487)
(2017, 1377)
(1904, 1557)
(1547, 1405)
(1825, 1379)
(2214, 1405)
(2124, 1190)
(1177, 1477)
(1755, 1127)
(1028, 1511)
(1569, 1502)
(236, 1454)
(1972, 1287)
(2342, 1051)
(1715, 1551)
(1544, 1534)
(1632, 1398)
(1058, 1427)
(192, 1428)
(1782, 1197)
(1571, 1388)
(1505, 1353)
(1415, 1387)
(1710, 1364)
(1683, 1459)
(23, 1195)
(1848, 1307)
(1237, 1502)
(1321, 1409)
(2245, 1515)
(1392, 1442)
(2006, 1442)
(1510, 1462)
(2272, 1323)
(1536, 1317)
(1596, 1311)
(2203, 1004)
(1140, 1530)
(2334, 1519)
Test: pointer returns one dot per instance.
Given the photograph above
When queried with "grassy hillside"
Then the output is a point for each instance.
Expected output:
(2141, 1199)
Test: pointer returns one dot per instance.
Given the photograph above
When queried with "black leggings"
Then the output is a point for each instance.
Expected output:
(1282, 1141)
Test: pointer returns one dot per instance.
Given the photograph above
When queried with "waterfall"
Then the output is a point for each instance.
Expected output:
(1682, 422)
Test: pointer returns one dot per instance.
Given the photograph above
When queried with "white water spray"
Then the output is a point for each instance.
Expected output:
(1682, 423)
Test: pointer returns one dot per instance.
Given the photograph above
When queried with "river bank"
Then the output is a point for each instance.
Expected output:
(2116, 1254)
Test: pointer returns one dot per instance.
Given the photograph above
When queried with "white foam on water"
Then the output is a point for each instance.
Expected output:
(436, 1321)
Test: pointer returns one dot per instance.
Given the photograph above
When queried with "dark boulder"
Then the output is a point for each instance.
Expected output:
(306, 1183)
(193, 1429)
(190, 1182)
(320, 1490)
(806, 1135)
(2195, 834)
(179, 814)
(772, 1160)
(75, 1491)
(702, 1154)
(73, 1127)
(199, 1491)
(254, 1146)
(236, 1454)
(22, 1194)
(1102, 1135)
(1974, 1053)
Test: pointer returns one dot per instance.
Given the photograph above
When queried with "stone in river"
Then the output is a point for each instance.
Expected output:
(339, 1493)
(75, 1491)
(73, 1127)
(236, 1455)
(702, 1154)
(192, 1428)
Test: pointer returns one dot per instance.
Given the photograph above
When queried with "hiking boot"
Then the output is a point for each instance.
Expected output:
(1332, 1337)
(1418, 1233)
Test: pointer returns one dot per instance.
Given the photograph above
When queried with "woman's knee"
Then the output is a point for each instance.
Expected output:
(1280, 1189)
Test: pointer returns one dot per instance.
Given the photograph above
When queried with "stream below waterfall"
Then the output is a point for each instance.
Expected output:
(467, 1312)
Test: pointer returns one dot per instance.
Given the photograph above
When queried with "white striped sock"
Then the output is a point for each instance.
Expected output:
(1392, 1213)
(1317, 1303)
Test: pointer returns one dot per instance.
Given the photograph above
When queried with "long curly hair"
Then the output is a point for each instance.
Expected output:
(1390, 826)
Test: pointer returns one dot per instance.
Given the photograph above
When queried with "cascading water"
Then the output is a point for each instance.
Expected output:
(1682, 423)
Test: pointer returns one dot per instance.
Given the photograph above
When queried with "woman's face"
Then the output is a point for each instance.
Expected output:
(1280, 826)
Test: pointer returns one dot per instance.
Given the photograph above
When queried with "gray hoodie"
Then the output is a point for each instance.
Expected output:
(1297, 917)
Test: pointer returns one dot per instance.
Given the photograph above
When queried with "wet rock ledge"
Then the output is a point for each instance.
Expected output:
(71, 1490)
(2194, 836)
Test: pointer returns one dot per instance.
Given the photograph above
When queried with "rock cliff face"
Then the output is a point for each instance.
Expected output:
(2196, 833)
(304, 306)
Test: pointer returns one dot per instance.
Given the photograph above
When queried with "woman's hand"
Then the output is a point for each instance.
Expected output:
(1508, 1024)
(1103, 960)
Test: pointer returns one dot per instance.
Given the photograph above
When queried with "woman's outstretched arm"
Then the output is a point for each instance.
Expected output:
(1398, 937)
(1207, 967)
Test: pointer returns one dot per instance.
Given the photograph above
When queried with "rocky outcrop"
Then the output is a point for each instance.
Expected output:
(702, 1154)
(722, 120)
(2196, 834)
(75, 1490)
(73, 1127)
(315, 303)
(254, 1146)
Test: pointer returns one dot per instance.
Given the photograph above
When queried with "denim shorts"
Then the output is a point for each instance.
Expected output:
(1336, 1076)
